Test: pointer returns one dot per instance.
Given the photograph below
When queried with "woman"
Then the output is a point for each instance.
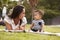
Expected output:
(14, 21)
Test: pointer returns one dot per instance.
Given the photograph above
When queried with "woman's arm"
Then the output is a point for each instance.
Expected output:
(8, 26)
(20, 28)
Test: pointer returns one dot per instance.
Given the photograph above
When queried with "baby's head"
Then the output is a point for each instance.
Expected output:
(38, 14)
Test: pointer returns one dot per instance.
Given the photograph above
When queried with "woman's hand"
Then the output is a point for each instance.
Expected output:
(20, 28)
(17, 29)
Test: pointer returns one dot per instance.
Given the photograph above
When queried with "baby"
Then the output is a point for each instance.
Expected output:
(37, 24)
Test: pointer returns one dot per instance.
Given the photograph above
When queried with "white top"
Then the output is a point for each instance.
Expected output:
(37, 24)
(11, 22)
(24, 21)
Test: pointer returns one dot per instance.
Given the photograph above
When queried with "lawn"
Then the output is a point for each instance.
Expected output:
(29, 36)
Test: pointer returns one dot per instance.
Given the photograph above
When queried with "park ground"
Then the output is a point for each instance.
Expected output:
(30, 36)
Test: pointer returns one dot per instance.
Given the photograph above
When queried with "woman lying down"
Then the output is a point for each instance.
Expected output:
(17, 20)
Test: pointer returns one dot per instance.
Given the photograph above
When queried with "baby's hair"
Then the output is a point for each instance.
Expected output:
(41, 12)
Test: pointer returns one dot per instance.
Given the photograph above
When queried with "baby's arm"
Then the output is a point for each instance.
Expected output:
(42, 27)
(31, 27)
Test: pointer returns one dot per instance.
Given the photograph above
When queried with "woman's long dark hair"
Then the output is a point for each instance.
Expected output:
(16, 11)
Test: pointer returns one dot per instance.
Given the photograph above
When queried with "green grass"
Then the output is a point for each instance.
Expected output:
(52, 29)
(29, 36)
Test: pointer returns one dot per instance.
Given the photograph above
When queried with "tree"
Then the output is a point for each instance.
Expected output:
(33, 4)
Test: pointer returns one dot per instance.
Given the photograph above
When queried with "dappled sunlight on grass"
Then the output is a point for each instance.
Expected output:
(52, 29)
(29, 36)
(26, 36)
